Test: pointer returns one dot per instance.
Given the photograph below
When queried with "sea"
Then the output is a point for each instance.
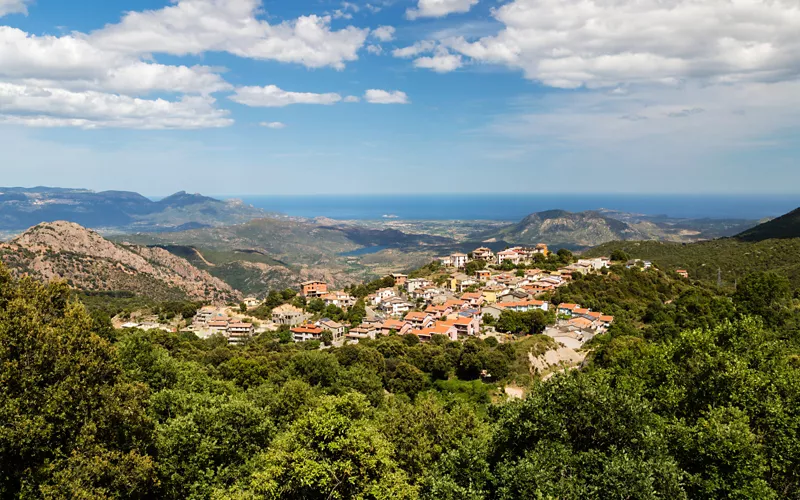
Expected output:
(514, 207)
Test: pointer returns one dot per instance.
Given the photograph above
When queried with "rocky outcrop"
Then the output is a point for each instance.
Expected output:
(86, 260)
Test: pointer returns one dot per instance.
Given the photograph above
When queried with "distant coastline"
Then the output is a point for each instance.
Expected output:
(513, 207)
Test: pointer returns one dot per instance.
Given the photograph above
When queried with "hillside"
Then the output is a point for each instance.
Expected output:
(786, 226)
(729, 259)
(21, 208)
(65, 250)
(567, 229)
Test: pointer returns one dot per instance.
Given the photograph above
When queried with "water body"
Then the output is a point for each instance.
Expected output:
(513, 207)
(363, 251)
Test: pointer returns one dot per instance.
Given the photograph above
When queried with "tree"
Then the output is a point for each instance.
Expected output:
(334, 452)
(316, 306)
(767, 295)
(620, 256)
(69, 423)
(327, 337)
(242, 308)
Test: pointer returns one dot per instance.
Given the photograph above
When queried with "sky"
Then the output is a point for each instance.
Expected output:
(259, 97)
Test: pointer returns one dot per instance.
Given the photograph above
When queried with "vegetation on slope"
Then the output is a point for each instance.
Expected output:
(695, 395)
(786, 226)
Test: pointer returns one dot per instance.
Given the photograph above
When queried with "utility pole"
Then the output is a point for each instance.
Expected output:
(719, 277)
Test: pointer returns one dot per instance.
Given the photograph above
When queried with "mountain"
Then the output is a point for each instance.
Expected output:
(785, 226)
(21, 208)
(65, 250)
(566, 229)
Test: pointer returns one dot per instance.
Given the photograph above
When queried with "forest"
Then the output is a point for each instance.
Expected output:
(693, 393)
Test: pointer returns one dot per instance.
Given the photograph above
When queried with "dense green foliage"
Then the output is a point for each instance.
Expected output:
(729, 260)
(694, 394)
(785, 226)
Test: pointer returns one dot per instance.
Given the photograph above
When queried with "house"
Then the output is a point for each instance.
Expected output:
(304, 333)
(313, 289)
(606, 320)
(204, 314)
(542, 249)
(438, 329)
(439, 311)
(239, 333)
(428, 293)
(384, 294)
(534, 274)
(218, 325)
(416, 283)
(251, 302)
(491, 293)
(336, 329)
(363, 331)
(419, 320)
(460, 282)
(464, 326)
(473, 298)
(580, 311)
(581, 323)
(339, 299)
(397, 326)
(683, 273)
(524, 305)
(595, 264)
(494, 311)
(399, 279)
(567, 309)
(483, 253)
(483, 275)
(395, 306)
(458, 260)
(510, 255)
(446, 261)
(288, 314)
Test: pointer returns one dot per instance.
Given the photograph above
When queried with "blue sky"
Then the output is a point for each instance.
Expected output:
(392, 96)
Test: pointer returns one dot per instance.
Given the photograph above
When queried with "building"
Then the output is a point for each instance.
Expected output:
(683, 273)
(396, 326)
(524, 305)
(304, 333)
(483, 253)
(240, 333)
(399, 279)
(395, 306)
(419, 320)
(510, 255)
(567, 309)
(363, 331)
(336, 329)
(416, 283)
(288, 314)
(483, 275)
(313, 289)
(339, 299)
(459, 260)
(251, 302)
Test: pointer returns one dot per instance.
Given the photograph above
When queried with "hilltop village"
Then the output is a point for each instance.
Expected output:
(480, 294)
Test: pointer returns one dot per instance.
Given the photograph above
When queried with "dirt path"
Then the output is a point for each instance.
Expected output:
(209, 264)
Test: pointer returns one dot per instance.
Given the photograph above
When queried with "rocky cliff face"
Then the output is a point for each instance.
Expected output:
(64, 250)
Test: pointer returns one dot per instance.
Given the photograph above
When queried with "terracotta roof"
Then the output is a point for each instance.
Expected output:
(580, 311)
(568, 306)
(607, 319)
(580, 322)
(307, 329)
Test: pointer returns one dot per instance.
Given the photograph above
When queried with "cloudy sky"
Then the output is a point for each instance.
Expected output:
(369, 96)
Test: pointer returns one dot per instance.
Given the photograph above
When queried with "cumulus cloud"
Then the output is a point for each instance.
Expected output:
(13, 7)
(383, 33)
(272, 96)
(420, 47)
(48, 107)
(273, 125)
(439, 8)
(376, 96)
(375, 49)
(197, 26)
(352, 98)
(441, 62)
(598, 43)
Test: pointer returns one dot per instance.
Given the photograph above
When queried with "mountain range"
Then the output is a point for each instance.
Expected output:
(785, 226)
(21, 208)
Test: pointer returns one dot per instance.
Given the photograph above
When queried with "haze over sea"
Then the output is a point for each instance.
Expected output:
(513, 207)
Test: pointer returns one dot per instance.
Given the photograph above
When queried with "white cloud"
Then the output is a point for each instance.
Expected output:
(441, 62)
(13, 7)
(376, 96)
(439, 8)
(273, 125)
(416, 49)
(197, 26)
(352, 98)
(383, 33)
(340, 14)
(272, 96)
(48, 107)
(375, 49)
(599, 43)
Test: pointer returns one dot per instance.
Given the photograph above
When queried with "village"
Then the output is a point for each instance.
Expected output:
(467, 299)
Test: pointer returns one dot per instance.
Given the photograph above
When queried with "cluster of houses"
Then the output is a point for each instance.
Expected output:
(577, 325)
(455, 308)
(211, 320)
(515, 255)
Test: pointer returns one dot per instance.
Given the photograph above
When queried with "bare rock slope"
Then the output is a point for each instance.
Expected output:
(65, 250)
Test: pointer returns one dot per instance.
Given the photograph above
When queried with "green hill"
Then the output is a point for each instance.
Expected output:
(730, 259)
(786, 226)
